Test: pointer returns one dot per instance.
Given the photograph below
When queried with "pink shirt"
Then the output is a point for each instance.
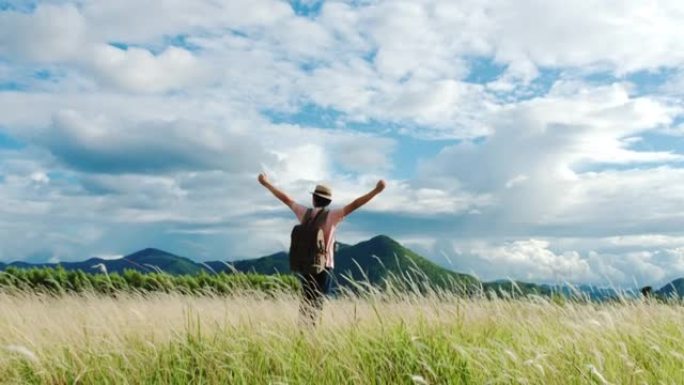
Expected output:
(334, 218)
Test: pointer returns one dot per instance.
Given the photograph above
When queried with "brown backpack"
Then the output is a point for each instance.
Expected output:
(307, 244)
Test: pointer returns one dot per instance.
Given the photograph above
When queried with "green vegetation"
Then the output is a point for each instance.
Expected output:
(380, 261)
(372, 339)
(395, 320)
(60, 281)
(672, 289)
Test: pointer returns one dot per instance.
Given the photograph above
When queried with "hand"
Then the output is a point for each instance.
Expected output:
(263, 179)
(380, 186)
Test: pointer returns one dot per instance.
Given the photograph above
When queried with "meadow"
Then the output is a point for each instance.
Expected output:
(374, 338)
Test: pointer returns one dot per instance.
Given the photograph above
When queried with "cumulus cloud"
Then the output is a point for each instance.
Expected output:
(50, 33)
(154, 20)
(544, 260)
(157, 176)
(148, 123)
(545, 33)
(533, 261)
(139, 70)
(62, 34)
(535, 157)
(104, 145)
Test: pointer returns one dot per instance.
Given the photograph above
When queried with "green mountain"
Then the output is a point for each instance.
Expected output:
(382, 258)
(672, 289)
(147, 260)
(376, 260)
(270, 264)
(164, 261)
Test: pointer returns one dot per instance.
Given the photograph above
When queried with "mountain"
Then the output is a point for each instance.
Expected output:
(382, 258)
(270, 264)
(375, 260)
(164, 261)
(147, 260)
(672, 289)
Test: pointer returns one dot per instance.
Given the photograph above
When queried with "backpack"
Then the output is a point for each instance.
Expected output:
(307, 244)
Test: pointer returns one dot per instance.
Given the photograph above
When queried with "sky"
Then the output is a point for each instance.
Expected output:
(532, 139)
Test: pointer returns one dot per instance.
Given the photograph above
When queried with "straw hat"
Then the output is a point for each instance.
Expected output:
(323, 191)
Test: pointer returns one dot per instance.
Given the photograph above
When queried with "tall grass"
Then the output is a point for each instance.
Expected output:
(376, 338)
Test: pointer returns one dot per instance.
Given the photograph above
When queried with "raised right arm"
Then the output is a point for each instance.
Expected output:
(275, 191)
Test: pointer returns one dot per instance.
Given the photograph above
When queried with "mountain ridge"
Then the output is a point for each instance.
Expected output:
(376, 260)
(673, 288)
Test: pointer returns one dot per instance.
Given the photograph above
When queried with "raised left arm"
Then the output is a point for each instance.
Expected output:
(363, 199)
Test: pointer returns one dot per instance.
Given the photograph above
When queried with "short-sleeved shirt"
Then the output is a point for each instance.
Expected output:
(334, 218)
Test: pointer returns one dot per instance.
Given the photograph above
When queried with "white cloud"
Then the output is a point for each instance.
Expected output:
(138, 70)
(132, 21)
(407, 198)
(550, 140)
(546, 34)
(168, 134)
(623, 200)
(51, 33)
(102, 144)
(560, 260)
(40, 177)
(516, 180)
(532, 260)
(304, 162)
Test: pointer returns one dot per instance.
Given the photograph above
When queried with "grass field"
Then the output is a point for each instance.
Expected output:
(253, 339)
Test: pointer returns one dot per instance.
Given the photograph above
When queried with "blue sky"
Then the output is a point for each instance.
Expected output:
(513, 146)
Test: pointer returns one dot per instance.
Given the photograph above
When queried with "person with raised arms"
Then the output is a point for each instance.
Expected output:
(312, 242)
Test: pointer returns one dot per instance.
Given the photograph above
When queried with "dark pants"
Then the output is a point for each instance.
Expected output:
(314, 289)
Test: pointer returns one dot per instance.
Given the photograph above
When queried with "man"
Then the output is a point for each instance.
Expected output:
(316, 286)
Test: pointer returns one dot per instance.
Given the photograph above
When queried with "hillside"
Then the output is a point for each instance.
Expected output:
(381, 257)
(164, 261)
(147, 260)
(270, 264)
(376, 260)
(672, 289)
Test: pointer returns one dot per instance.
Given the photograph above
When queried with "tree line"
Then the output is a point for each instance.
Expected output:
(60, 281)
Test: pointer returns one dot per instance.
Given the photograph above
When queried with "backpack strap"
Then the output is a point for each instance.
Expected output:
(307, 216)
(318, 222)
(319, 215)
